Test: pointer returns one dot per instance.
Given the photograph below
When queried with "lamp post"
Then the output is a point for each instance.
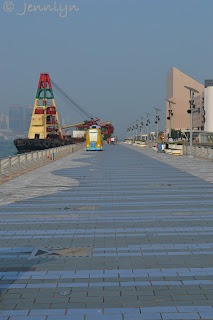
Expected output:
(170, 115)
(191, 107)
(147, 124)
(157, 121)
(141, 127)
(133, 134)
(129, 130)
(136, 130)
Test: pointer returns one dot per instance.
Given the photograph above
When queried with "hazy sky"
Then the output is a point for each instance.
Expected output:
(111, 56)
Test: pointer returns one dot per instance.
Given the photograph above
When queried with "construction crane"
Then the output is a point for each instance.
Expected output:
(45, 130)
(107, 128)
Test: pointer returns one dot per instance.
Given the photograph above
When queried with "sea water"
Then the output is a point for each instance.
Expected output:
(7, 149)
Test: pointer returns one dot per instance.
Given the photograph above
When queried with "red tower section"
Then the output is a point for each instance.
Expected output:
(44, 87)
(44, 81)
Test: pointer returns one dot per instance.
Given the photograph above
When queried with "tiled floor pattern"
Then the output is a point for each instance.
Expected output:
(134, 240)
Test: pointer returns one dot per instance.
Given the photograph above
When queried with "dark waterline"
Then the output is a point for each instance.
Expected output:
(7, 149)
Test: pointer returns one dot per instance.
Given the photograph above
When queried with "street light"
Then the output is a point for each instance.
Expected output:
(141, 127)
(136, 130)
(170, 115)
(133, 127)
(191, 107)
(157, 121)
(128, 130)
(147, 124)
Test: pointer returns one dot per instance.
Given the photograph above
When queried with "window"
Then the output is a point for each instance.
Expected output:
(93, 135)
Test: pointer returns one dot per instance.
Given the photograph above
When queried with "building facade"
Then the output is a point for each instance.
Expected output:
(27, 118)
(4, 121)
(198, 114)
(176, 80)
(16, 119)
(208, 106)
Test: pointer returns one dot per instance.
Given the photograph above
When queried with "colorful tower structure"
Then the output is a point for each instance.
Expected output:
(45, 122)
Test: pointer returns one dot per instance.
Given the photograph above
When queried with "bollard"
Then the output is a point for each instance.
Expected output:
(45, 152)
(19, 165)
(0, 171)
(32, 160)
(207, 153)
(10, 168)
(25, 165)
(37, 158)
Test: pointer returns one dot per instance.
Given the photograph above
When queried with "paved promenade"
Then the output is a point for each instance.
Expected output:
(112, 235)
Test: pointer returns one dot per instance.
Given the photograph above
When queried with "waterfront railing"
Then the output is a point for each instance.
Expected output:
(199, 151)
(13, 166)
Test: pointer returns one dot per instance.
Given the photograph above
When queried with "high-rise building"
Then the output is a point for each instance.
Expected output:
(202, 119)
(27, 118)
(176, 80)
(198, 114)
(16, 119)
(208, 105)
(208, 83)
(4, 123)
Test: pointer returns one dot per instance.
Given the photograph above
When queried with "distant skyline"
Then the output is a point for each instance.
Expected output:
(110, 56)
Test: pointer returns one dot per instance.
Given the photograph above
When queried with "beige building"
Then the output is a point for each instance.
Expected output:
(176, 80)
(198, 114)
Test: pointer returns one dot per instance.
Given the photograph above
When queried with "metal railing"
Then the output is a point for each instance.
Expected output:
(12, 166)
(199, 152)
(138, 142)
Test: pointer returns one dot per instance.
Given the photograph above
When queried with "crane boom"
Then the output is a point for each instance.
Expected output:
(73, 125)
(70, 100)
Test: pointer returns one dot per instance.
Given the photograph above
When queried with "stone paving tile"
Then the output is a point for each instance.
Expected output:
(125, 234)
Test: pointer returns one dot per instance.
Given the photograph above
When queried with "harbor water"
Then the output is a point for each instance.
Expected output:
(7, 149)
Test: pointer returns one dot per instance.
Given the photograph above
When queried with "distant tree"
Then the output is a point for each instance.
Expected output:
(176, 134)
(106, 136)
